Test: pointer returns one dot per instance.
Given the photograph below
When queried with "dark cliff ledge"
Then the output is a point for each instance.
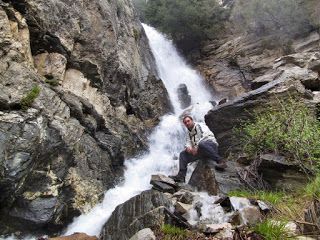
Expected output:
(79, 93)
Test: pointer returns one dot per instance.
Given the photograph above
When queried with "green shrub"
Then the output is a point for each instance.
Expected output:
(136, 34)
(188, 22)
(173, 232)
(272, 230)
(313, 188)
(270, 197)
(282, 19)
(27, 100)
(288, 128)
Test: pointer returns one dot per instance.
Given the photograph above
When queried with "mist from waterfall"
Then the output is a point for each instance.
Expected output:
(165, 142)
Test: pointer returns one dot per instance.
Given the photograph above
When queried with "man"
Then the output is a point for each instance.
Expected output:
(200, 143)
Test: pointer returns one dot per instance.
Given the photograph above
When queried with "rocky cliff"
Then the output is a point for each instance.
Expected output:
(78, 94)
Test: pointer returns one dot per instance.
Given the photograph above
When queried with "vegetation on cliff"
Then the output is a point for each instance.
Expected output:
(288, 128)
(188, 22)
(192, 22)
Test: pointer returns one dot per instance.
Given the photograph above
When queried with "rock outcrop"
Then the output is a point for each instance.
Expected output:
(238, 64)
(79, 93)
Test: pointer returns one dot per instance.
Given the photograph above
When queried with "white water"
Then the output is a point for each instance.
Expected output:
(166, 140)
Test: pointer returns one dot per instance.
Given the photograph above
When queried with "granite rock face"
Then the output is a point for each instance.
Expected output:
(78, 94)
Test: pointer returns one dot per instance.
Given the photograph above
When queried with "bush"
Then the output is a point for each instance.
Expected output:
(173, 231)
(27, 100)
(272, 230)
(313, 189)
(188, 22)
(283, 19)
(270, 197)
(288, 128)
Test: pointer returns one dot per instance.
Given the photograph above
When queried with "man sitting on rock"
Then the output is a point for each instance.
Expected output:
(200, 144)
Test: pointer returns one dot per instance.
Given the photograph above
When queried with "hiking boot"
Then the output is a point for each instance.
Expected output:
(221, 166)
(177, 178)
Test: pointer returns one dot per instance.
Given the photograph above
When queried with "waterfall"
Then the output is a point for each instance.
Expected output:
(166, 141)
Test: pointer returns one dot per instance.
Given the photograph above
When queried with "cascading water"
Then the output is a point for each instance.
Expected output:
(166, 140)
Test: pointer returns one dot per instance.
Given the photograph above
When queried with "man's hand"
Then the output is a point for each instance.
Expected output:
(192, 150)
(189, 150)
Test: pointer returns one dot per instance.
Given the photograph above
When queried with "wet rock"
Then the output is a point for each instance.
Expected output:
(146, 210)
(183, 96)
(76, 236)
(35, 213)
(238, 203)
(163, 183)
(184, 196)
(182, 208)
(228, 179)
(163, 187)
(144, 234)
(280, 173)
(203, 178)
(163, 179)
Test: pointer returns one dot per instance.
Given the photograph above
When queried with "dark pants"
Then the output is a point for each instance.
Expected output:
(206, 150)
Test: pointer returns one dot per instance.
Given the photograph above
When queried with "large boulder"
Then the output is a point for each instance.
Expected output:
(150, 209)
(280, 173)
(203, 178)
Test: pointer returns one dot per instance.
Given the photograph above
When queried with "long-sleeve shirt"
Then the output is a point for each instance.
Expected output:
(198, 133)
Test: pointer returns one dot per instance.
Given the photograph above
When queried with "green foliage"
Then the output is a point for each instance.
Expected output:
(272, 230)
(52, 82)
(289, 128)
(313, 188)
(283, 19)
(136, 34)
(270, 197)
(173, 232)
(27, 100)
(188, 22)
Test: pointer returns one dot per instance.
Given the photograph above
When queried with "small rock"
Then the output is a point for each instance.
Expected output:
(234, 218)
(182, 208)
(163, 187)
(186, 197)
(250, 215)
(162, 178)
(238, 203)
(225, 234)
(215, 228)
(144, 234)
(292, 228)
(263, 206)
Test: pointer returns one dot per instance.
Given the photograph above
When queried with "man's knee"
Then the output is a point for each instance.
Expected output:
(207, 145)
